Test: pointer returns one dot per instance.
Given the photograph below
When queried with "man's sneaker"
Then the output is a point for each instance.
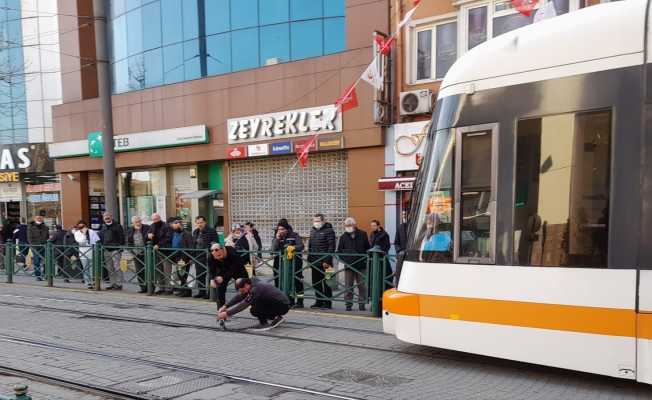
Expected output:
(317, 305)
(276, 322)
(348, 307)
(262, 326)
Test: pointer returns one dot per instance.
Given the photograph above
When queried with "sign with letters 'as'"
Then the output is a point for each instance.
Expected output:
(285, 125)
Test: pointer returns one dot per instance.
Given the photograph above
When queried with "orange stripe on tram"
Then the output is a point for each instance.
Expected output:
(595, 320)
(645, 325)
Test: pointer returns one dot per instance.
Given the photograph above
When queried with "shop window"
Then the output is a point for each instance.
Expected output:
(217, 16)
(140, 190)
(246, 41)
(561, 213)
(274, 11)
(306, 39)
(334, 35)
(302, 9)
(275, 43)
(218, 57)
(244, 13)
(434, 51)
(170, 19)
(152, 26)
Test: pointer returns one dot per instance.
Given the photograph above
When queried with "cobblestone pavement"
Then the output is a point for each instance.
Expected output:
(40, 391)
(342, 355)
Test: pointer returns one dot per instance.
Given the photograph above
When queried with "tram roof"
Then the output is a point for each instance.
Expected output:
(602, 37)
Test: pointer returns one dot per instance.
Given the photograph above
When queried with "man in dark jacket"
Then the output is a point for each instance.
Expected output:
(354, 241)
(112, 237)
(37, 235)
(19, 236)
(64, 250)
(158, 234)
(380, 239)
(266, 301)
(224, 264)
(203, 236)
(137, 239)
(288, 239)
(401, 243)
(181, 241)
(322, 240)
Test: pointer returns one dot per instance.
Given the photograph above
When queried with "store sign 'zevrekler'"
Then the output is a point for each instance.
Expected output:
(287, 124)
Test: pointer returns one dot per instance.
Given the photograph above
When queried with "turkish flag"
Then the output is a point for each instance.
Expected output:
(384, 46)
(525, 7)
(303, 155)
(348, 100)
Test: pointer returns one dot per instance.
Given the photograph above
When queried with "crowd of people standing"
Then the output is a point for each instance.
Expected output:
(215, 264)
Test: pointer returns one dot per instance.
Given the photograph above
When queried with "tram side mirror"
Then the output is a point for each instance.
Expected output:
(547, 164)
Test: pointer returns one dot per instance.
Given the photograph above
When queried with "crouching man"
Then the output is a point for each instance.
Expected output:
(266, 301)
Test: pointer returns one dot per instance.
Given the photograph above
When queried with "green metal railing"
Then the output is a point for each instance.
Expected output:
(327, 277)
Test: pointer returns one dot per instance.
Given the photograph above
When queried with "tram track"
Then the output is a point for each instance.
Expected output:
(118, 394)
(241, 331)
(171, 308)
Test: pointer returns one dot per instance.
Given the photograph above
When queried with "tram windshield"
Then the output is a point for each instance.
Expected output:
(432, 231)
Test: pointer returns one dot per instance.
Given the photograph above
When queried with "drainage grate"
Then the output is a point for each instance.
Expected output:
(148, 383)
(365, 378)
(187, 387)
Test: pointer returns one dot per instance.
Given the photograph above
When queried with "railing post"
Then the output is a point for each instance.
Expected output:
(48, 260)
(98, 255)
(10, 254)
(149, 268)
(376, 281)
(286, 275)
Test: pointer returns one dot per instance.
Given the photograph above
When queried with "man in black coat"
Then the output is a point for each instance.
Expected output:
(37, 235)
(322, 240)
(181, 244)
(137, 238)
(380, 239)
(284, 239)
(354, 241)
(203, 236)
(224, 264)
(401, 243)
(64, 250)
(112, 236)
(159, 235)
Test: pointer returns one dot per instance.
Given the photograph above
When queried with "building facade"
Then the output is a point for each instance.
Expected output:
(30, 84)
(212, 99)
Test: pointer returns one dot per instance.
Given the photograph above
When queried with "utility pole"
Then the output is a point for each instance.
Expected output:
(101, 13)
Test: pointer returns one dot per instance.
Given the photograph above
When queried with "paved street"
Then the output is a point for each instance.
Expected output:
(172, 348)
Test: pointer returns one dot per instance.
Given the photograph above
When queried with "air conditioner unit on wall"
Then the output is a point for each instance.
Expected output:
(416, 102)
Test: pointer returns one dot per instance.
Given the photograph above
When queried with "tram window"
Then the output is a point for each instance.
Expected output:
(475, 197)
(562, 190)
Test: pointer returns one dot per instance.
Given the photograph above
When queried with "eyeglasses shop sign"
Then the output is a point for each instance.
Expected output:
(283, 125)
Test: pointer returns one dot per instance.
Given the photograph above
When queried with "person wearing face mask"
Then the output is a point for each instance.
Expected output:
(85, 239)
(322, 240)
(181, 240)
(112, 237)
(354, 241)
(37, 235)
(137, 238)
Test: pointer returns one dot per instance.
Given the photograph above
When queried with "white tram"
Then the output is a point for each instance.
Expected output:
(531, 224)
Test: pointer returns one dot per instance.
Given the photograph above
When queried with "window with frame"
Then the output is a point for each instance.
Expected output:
(561, 214)
(486, 20)
(434, 51)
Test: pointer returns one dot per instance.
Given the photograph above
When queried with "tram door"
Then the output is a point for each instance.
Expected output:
(475, 194)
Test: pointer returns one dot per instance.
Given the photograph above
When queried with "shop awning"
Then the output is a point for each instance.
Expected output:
(396, 183)
(200, 194)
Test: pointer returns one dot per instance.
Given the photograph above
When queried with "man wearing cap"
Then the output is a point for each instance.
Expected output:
(287, 241)
(266, 301)
(224, 264)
